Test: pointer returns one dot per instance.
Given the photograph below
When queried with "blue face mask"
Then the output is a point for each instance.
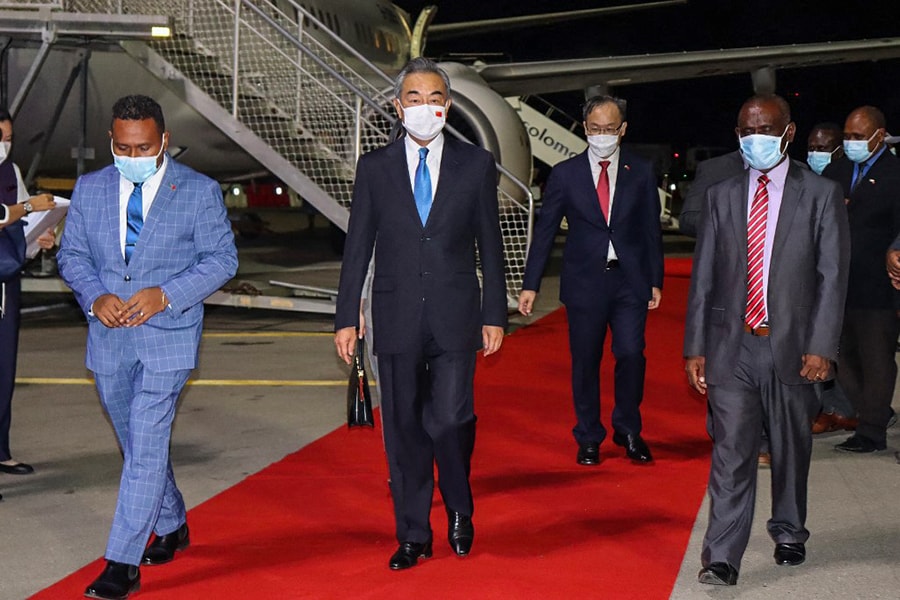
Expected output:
(858, 150)
(137, 169)
(817, 161)
(762, 152)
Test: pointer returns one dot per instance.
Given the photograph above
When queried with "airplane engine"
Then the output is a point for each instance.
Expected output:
(483, 116)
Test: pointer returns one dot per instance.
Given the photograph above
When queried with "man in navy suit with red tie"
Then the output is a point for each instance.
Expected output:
(612, 272)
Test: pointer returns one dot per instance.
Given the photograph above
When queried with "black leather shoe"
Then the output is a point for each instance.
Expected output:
(163, 548)
(116, 582)
(17, 469)
(635, 447)
(718, 573)
(791, 554)
(408, 554)
(859, 444)
(460, 532)
(588, 454)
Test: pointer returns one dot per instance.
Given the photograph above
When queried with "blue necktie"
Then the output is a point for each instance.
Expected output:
(134, 214)
(859, 171)
(422, 187)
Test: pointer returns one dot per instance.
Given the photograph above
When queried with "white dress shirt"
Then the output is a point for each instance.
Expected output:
(433, 160)
(148, 193)
(612, 171)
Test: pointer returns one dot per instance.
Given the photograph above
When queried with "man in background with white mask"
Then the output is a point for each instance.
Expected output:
(146, 240)
(429, 200)
(870, 178)
(763, 322)
(612, 272)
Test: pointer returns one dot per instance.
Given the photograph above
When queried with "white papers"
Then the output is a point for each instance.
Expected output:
(38, 222)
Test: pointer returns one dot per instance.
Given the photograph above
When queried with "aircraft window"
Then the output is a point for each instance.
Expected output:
(379, 41)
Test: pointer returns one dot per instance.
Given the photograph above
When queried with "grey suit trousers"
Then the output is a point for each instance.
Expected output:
(738, 409)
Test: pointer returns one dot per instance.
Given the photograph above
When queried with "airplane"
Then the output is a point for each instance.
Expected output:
(385, 35)
(312, 89)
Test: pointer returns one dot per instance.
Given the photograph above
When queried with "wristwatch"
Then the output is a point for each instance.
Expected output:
(28, 207)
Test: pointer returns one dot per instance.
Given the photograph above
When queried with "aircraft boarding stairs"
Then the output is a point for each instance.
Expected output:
(267, 74)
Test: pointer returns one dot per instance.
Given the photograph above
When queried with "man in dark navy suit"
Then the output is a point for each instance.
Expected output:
(612, 272)
(870, 177)
(429, 200)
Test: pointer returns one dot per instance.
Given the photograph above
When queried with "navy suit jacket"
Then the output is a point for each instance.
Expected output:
(634, 230)
(874, 213)
(186, 247)
(425, 273)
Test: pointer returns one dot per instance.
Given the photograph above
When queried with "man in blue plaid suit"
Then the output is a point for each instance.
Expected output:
(146, 240)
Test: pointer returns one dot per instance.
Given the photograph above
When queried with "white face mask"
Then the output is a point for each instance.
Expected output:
(604, 145)
(5, 147)
(424, 121)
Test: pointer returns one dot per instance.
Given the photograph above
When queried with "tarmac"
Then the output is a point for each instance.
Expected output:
(269, 383)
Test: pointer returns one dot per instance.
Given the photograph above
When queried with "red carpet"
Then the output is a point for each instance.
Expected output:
(318, 524)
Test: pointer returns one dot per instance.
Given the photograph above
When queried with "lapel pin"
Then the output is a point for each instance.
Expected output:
(173, 186)
(872, 181)
(627, 167)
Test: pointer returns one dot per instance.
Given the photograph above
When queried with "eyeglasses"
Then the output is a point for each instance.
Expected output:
(605, 130)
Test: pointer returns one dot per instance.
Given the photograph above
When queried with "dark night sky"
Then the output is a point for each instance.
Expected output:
(699, 111)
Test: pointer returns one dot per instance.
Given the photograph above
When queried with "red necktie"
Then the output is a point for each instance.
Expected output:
(756, 242)
(603, 189)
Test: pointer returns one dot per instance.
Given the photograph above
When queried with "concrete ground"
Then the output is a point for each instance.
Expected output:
(242, 419)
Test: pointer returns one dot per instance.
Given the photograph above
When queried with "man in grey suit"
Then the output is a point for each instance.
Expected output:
(146, 240)
(763, 323)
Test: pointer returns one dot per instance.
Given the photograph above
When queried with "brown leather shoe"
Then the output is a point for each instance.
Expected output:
(828, 422)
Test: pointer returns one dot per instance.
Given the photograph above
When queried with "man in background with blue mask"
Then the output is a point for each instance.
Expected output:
(824, 146)
(763, 321)
(146, 240)
(870, 178)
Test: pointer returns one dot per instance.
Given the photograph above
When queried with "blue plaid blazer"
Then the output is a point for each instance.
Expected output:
(186, 247)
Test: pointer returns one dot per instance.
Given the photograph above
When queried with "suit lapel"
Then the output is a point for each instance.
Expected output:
(586, 182)
(398, 174)
(450, 168)
(624, 183)
(737, 200)
(165, 195)
(110, 210)
(790, 200)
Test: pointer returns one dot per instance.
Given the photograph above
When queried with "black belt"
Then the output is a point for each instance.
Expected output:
(612, 264)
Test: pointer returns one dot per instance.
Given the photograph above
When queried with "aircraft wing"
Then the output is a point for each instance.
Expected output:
(541, 77)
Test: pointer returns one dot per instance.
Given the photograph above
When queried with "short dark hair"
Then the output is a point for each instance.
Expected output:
(138, 108)
(595, 101)
(828, 127)
(4, 115)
